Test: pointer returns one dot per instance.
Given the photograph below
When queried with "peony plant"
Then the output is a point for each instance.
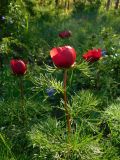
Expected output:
(64, 58)
(94, 55)
(65, 34)
(19, 68)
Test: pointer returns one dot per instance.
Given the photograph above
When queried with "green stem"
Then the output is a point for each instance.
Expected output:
(22, 100)
(68, 119)
(71, 78)
(22, 94)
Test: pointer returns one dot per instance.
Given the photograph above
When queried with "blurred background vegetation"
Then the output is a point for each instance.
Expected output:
(29, 30)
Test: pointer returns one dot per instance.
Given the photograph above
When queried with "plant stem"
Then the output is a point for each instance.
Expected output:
(68, 119)
(21, 93)
(22, 99)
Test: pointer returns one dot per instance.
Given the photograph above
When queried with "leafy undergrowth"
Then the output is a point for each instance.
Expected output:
(35, 127)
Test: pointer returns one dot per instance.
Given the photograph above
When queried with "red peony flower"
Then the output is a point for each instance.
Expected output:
(63, 57)
(93, 55)
(18, 67)
(65, 34)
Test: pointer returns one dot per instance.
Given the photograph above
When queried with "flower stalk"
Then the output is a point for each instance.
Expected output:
(22, 98)
(21, 92)
(68, 118)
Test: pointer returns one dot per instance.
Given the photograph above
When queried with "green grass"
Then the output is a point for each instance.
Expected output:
(39, 132)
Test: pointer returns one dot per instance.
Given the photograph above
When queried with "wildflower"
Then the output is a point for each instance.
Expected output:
(50, 91)
(104, 52)
(18, 67)
(3, 18)
(94, 55)
(65, 34)
(63, 57)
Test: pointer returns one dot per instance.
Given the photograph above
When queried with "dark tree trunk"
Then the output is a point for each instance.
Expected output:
(116, 4)
(68, 4)
(65, 4)
(108, 4)
(56, 3)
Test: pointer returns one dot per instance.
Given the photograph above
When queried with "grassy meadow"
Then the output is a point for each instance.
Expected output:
(32, 113)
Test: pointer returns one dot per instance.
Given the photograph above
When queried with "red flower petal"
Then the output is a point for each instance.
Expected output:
(93, 55)
(65, 34)
(63, 57)
(18, 67)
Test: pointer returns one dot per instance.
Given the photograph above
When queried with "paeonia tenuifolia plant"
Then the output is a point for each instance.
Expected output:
(65, 34)
(19, 68)
(94, 55)
(64, 58)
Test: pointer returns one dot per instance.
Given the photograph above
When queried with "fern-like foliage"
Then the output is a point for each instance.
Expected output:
(84, 112)
(112, 116)
(45, 81)
(52, 141)
(84, 68)
(83, 103)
